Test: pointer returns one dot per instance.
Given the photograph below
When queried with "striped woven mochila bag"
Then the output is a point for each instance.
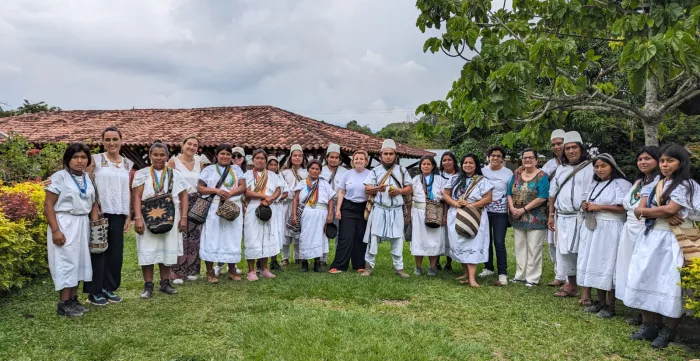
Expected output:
(469, 217)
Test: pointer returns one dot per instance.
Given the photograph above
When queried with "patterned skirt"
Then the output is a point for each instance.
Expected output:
(189, 264)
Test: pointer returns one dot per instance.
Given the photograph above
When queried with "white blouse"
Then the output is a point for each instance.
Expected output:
(291, 180)
(325, 192)
(273, 183)
(211, 176)
(112, 182)
(70, 199)
(191, 176)
(419, 194)
(143, 178)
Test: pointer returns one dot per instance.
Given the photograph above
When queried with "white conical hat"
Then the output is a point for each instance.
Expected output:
(558, 133)
(294, 148)
(572, 137)
(333, 148)
(389, 144)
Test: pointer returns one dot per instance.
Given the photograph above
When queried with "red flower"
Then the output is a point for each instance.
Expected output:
(33, 152)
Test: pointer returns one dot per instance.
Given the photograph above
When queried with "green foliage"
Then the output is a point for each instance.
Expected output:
(20, 161)
(353, 125)
(690, 280)
(28, 108)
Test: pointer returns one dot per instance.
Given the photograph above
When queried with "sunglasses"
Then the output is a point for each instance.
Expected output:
(237, 156)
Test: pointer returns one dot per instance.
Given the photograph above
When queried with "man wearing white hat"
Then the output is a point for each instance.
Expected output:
(557, 143)
(566, 195)
(332, 173)
(387, 183)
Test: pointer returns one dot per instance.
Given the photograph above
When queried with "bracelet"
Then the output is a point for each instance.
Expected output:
(641, 213)
(135, 218)
(58, 230)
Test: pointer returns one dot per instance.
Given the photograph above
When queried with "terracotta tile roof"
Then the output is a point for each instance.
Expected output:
(246, 126)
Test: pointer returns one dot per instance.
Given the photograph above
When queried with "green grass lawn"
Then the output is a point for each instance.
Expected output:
(321, 317)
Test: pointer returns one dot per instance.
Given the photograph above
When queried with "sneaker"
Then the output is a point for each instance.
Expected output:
(594, 308)
(217, 270)
(367, 272)
(252, 276)
(305, 266)
(284, 263)
(334, 271)
(530, 284)
(486, 273)
(503, 280)
(432, 272)
(147, 291)
(438, 266)
(166, 288)
(275, 266)
(191, 278)
(417, 271)
(401, 273)
(267, 274)
(77, 305)
(606, 312)
(517, 281)
(178, 281)
(238, 270)
(97, 299)
(665, 337)
(318, 266)
(111, 296)
(67, 309)
(646, 332)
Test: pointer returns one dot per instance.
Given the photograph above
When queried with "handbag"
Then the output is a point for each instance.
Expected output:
(469, 217)
(434, 209)
(200, 209)
(159, 210)
(688, 238)
(370, 199)
(300, 211)
(589, 217)
(98, 229)
(228, 210)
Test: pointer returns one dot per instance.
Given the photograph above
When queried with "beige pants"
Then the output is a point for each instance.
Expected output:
(528, 254)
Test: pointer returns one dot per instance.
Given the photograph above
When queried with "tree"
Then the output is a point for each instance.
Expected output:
(353, 125)
(28, 108)
(543, 59)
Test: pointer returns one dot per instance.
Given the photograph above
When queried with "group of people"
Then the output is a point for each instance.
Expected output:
(604, 232)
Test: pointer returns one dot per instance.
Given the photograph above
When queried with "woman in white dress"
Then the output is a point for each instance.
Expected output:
(318, 211)
(293, 172)
(648, 165)
(448, 169)
(279, 208)
(190, 165)
(604, 217)
(221, 239)
(426, 241)
(468, 251)
(70, 198)
(161, 249)
(261, 237)
(653, 278)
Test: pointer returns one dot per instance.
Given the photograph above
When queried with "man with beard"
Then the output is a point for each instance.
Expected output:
(388, 184)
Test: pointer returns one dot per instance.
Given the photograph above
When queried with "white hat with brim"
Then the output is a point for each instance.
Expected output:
(572, 137)
(388, 144)
(333, 148)
(558, 133)
(238, 150)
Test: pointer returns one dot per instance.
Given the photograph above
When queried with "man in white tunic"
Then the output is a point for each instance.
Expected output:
(557, 143)
(388, 183)
(566, 190)
(332, 173)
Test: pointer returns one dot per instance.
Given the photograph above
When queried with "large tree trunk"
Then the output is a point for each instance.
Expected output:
(651, 132)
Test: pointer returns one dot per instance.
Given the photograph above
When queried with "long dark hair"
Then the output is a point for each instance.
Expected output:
(223, 146)
(614, 174)
(681, 175)
(653, 152)
(454, 161)
(304, 162)
(72, 150)
(584, 154)
(432, 161)
(462, 180)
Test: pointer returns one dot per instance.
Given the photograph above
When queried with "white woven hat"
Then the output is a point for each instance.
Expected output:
(558, 133)
(333, 148)
(388, 144)
(572, 137)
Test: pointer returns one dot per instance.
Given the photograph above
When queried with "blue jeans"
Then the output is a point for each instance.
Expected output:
(498, 224)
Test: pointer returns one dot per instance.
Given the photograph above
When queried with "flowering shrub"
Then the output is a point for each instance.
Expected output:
(690, 280)
(22, 234)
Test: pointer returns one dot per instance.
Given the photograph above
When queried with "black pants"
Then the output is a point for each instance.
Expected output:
(498, 224)
(351, 231)
(107, 266)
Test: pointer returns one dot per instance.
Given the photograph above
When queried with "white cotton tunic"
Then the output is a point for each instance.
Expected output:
(70, 263)
(112, 182)
(568, 205)
(221, 239)
(191, 176)
(386, 221)
(292, 182)
(597, 250)
(327, 174)
(469, 250)
(426, 241)
(550, 167)
(261, 238)
(630, 233)
(279, 210)
(653, 277)
(160, 248)
(313, 242)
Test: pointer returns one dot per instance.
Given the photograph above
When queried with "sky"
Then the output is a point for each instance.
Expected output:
(331, 60)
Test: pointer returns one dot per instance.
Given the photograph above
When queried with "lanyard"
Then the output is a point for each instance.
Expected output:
(83, 189)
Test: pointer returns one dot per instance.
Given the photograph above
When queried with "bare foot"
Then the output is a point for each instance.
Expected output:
(474, 284)
(462, 277)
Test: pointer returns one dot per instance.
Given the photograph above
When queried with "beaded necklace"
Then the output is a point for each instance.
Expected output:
(82, 189)
(158, 183)
(227, 184)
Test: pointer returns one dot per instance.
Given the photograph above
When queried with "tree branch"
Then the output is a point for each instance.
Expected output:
(620, 104)
(679, 98)
(459, 53)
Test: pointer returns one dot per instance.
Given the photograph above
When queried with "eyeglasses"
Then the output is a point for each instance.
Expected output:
(237, 156)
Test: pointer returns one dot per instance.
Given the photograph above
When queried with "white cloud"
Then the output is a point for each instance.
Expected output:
(332, 60)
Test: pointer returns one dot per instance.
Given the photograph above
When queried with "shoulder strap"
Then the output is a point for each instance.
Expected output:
(386, 176)
(97, 194)
(333, 176)
(472, 186)
(313, 190)
(571, 176)
(403, 176)
(295, 174)
(170, 180)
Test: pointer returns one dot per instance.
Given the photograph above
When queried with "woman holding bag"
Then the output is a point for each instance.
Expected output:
(221, 238)
(155, 244)
(426, 241)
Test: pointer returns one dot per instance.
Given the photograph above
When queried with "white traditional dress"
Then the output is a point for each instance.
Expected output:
(279, 210)
(313, 242)
(261, 238)
(70, 263)
(653, 278)
(292, 178)
(333, 178)
(386, 221)
(568, 215)
(426, 241)
(221, 239)
(597, 249)
(160, 248)
(462, 249)
(550, 168)
(447, 178)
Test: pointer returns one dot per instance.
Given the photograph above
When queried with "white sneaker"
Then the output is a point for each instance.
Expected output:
(178, 281)
(217, 270)
(192, 278)
(486, 273)
(503, 279)
(238, 271)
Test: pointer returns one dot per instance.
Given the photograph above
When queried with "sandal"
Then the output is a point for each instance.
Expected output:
(585, 302)
(565, 293)
(556, 283)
